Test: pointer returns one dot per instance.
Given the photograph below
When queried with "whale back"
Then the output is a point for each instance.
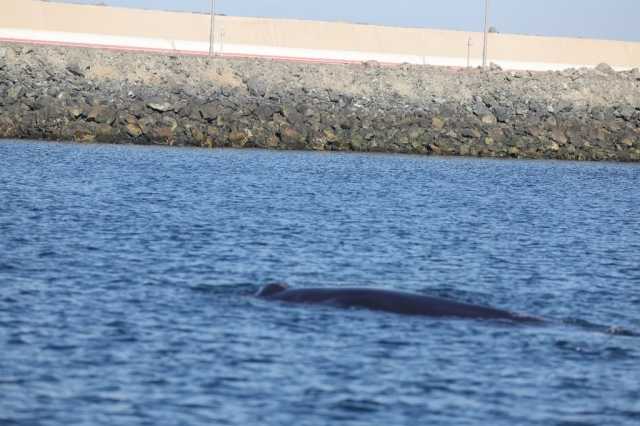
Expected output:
(270, 290)
(388, 301)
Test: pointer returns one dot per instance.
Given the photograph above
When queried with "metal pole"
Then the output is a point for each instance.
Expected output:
(486, 33)
(469, 52)
(212, 29)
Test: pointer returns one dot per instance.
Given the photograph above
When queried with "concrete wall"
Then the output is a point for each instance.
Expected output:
(38, 21)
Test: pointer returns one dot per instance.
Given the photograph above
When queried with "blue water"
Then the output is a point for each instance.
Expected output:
(126, 276)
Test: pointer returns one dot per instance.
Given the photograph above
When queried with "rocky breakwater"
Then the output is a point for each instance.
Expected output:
(57, 93)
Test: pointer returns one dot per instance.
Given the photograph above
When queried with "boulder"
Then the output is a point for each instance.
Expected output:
(257, 87)
(160, 106)
(75, 70)
(581, 114)
(163, 135)
(626, 112)
(104, 132)
(134, 130)
(437, 123)
(84, 136)
(209, 112)
(15, 92)
(239, 138)
(471, 133)
(503, 114)
(147, 124)
(489, 119)
(605, 69)
(628, 142)
(558, 135)
(170, 122)
(75, 112)
(265, 112)
(101, 114)
(320, 144)
(330, 135)
(292, 138)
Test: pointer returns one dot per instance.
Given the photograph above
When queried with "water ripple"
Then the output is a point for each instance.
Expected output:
(127, 276)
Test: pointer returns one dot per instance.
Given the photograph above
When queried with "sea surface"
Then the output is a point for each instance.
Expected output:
(127, 274)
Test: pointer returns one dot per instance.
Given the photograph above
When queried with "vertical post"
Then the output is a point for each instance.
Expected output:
(212, 29)
(486, 33)
(469, 52)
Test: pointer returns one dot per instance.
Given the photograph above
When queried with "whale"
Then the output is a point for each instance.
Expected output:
(391, 301)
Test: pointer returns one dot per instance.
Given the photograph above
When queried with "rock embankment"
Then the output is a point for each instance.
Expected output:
(85, 95)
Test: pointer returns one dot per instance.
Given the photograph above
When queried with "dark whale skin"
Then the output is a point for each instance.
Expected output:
(388, 301)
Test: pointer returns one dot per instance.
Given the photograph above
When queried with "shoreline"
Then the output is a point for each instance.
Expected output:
(374, 154)
(89, 95)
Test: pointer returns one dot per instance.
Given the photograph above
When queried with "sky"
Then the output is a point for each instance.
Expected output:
(603, 19)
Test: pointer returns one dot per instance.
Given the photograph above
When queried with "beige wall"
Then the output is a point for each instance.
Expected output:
(505, 49)
(39, 15)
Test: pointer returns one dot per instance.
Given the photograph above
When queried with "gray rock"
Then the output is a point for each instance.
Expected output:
(579, 114)
(605, 69)
(557, 135)
(489, 119)
(75, 112)
(292, 138)
(503, 114)
(210, 112)
(101, 114)
(471, 133)
(147, 124)
(75, 70)
(522, 109)
(160, 106)
(170, 123)
(626, 112)
(480, 109)
(257, 87)
(15, 92)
